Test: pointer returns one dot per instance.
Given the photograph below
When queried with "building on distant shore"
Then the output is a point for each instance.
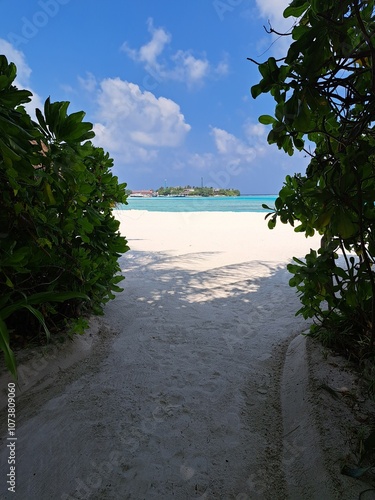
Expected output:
(143, 193)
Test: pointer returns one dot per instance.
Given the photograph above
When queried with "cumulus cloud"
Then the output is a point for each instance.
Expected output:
(135, 124)
(242, 157)
(255, 131)
(188, 68)
(232, 157)
(149, 53)
(235, 150)
(152, 50)
(182, 66)
(23, 73)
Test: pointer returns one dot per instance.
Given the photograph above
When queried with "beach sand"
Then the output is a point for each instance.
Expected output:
(181, 397)
(231, 237)
(205, 318)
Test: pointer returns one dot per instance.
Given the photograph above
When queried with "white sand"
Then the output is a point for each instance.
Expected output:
(184, 402)
(204, 318)
(232, 237)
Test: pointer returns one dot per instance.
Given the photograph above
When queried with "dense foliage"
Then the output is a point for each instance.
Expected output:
(196, 191)
(325, 92)
(59, 242)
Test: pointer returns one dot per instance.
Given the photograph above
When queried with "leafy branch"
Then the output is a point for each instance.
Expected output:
(324, 93)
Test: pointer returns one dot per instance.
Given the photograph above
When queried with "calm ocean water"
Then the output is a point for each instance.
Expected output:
(245, 203)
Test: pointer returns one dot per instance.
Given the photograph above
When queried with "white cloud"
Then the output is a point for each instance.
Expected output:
(188, 68)
(233, 157)
(273, 10)
(23, 73)
(134, 124)
(222, 68)
(89, 83)
(149, 53)
(255, 130)
(181, 66)
(152, 50)
(68, 89)
(234, 149)
(201, 161)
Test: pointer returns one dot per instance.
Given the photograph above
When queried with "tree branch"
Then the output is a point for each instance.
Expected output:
(271, 30)
(369, 42)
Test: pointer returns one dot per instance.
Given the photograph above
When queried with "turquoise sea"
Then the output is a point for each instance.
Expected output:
(246, 203)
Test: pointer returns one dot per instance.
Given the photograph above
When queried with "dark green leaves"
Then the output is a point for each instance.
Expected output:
(59, 239)
(10, 360)
(61, 127)
(256, 90)
(296, 8)
(324, 92)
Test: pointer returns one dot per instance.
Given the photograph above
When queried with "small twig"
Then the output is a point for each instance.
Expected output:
(271, 30)
(253, 60)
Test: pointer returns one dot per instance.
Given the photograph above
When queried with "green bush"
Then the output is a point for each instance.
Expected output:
(59, 242)
(324, 93)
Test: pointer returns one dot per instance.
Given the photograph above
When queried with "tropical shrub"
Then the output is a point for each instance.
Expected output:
(59, 241)
(324, 91)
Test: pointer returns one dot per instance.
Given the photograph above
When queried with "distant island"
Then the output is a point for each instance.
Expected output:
(184, 191)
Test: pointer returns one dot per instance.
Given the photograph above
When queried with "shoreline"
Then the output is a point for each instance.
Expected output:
(247, 204)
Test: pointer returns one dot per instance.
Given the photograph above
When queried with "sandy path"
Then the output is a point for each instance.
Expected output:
(184, 401)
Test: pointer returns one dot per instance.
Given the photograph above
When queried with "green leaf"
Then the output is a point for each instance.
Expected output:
(7, 152)
(341, 273)
(41, 121)
(299, 261)
(256, 90)
(86, 226)
(296, 8)
(39, 317)
(40, 298)
(272, 223)
(3, 82)
(50, 199)
(43, 242)
(19, 256)
(80, 133)
(10, 360)
(117, 279)
(303, 121)
(299, 30)
(9, 283)
(299, 143)
(266, 119)
(345, 226)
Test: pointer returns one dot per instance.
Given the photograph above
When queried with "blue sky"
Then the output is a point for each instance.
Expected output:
(166, 83)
